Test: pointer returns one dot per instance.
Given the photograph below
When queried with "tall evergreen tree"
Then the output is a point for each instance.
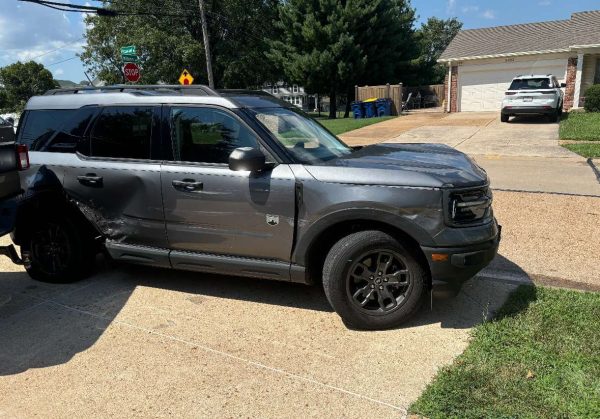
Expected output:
(433, 38)
(331, 45)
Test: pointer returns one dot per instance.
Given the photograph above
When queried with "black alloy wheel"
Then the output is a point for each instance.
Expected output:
(378, 282)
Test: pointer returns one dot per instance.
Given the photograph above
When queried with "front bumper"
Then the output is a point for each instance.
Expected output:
(452, 266)
(529, 110)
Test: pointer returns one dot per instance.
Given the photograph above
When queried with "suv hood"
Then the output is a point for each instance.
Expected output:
(420, 165)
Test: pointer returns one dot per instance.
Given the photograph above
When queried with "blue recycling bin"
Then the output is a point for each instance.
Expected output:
(384, 107)
(357, 110)
(370, 109)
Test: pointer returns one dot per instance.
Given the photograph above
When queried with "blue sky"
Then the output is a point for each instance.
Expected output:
(29, 31)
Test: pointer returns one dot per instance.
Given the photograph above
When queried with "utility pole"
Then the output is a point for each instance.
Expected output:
(211, 81)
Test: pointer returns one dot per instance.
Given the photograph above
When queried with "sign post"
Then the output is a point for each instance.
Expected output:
(132, 72)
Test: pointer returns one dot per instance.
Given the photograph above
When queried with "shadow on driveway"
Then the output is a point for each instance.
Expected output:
(43, 325)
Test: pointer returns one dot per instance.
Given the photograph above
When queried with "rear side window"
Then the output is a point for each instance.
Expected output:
(122, 132)
(40, 125)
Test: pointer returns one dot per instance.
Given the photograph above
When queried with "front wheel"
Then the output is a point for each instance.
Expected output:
(504, 117)
(56, 251)
(372, 281)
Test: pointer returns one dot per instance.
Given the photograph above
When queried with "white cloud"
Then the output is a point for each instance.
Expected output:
(58, 72)
(489, 14)
(470, 9)
(451, 6)
(29, 31)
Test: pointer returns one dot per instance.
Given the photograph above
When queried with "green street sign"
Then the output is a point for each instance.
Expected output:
(130, 58)
(129, 50)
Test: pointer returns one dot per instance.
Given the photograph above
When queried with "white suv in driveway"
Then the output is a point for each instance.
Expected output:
(533, 94)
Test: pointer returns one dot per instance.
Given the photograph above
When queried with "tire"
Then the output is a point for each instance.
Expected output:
(504, 117)
(56, 251)
(553, 117)
(364, 299)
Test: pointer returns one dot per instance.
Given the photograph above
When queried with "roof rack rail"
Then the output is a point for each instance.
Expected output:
(192, 90)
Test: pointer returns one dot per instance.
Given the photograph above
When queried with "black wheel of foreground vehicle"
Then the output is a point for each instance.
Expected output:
(58, 252)
(373, 281)
(504, 117)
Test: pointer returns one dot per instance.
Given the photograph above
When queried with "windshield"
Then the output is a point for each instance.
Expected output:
(530, 84)
(304, 138)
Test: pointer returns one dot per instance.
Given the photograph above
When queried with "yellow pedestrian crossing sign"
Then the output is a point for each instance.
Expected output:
(186, 78)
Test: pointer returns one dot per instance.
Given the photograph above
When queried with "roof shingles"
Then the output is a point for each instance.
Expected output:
(582, 29)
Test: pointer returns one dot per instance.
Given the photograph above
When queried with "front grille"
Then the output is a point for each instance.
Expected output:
(469, 207)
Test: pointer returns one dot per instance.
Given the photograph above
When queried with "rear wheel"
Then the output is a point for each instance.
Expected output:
(504, 117)
(57, 251)
(553, 117)
(373, 281)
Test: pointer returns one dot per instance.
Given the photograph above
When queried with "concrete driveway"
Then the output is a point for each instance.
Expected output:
(482, 133)
(147, 342)
(523, 155)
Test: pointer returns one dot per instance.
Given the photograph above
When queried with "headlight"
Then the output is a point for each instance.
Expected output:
(469, 206)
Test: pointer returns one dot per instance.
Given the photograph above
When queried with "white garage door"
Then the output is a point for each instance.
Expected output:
(482, 87)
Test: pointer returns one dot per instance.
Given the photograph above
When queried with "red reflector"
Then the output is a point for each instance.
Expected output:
(22, 157)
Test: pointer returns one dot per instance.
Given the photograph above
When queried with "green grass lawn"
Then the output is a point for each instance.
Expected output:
(582, 126)
(585, 149)
(540, 358)
(340, 126)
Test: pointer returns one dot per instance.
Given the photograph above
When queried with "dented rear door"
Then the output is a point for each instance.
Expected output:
(114, 179)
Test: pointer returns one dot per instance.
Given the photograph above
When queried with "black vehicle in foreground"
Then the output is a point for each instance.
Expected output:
(241, 183)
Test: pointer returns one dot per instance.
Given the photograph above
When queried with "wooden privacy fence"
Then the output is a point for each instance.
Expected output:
(385, 91)
(427, 90)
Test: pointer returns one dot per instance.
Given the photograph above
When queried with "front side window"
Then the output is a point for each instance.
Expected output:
(207, 135)
(306, 140)
(122, 132)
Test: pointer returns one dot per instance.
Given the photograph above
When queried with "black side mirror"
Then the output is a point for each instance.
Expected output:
(247, 158)
(563, 85)
(10, 121)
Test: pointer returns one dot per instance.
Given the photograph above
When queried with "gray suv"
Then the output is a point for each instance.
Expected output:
(241, 183)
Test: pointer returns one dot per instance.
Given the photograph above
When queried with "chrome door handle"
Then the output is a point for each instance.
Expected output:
(90, 179)
(187, 185)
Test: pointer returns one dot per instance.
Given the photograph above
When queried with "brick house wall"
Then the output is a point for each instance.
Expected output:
(570, 81)
(454, 89)
(445, 99)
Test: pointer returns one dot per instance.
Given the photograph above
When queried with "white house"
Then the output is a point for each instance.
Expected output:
(482, 62)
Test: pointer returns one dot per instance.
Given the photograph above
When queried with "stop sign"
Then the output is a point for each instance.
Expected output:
(132, 72)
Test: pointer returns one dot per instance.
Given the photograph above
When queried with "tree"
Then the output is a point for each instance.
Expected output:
(21, 81)
(330, 45)
(433, 37)
(168, 37)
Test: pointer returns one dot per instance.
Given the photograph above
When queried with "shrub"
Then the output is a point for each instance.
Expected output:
(592, 98)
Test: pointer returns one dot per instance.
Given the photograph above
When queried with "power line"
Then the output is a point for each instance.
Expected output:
(60, 62)
(57, 49)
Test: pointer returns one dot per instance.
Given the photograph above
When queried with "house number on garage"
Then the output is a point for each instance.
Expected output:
(509, 60)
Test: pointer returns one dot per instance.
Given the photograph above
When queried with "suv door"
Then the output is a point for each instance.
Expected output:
(116, 182)
(212, 209)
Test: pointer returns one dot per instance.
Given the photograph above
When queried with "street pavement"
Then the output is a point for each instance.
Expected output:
(141, 342)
